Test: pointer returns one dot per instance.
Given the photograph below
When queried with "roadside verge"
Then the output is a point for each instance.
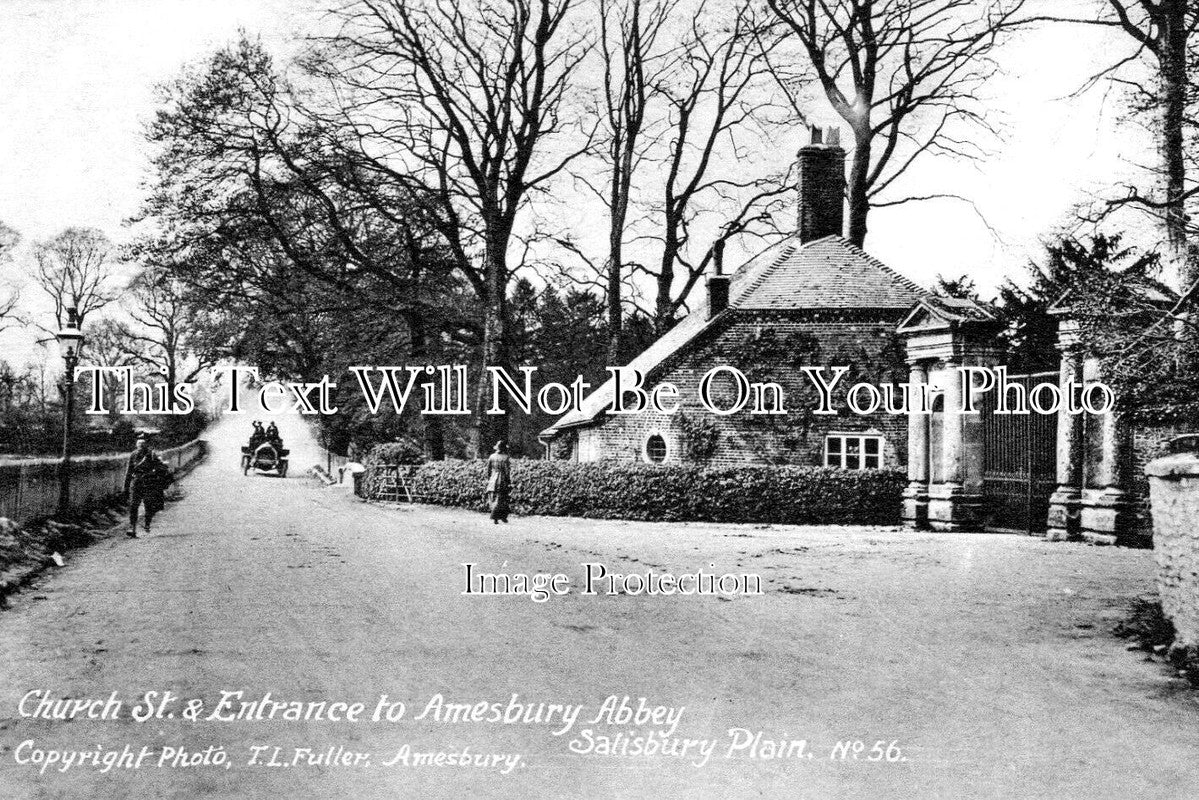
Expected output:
(26, 550)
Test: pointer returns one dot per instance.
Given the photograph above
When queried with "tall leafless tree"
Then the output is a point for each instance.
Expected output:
(686, 107)
(715, 106)
(633, 62)
(905, 76)
(1161, 32)
(163, 329)
(468, 100)
(76, 269)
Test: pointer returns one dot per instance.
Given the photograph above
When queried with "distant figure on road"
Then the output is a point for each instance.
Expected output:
(499, 482)
(146, 481)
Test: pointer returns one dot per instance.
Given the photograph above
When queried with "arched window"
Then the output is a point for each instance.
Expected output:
(655, 449)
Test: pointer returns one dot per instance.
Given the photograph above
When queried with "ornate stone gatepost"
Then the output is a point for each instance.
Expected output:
(1065, 504)
(1108, 510)
(942, 335)
(915, 496)
(1093, 500)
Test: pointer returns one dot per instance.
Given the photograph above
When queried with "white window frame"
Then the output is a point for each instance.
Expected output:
(645, 448)
(838, 460)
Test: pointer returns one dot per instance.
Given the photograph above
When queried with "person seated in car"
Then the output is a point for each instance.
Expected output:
(257, 436)
(272, 435)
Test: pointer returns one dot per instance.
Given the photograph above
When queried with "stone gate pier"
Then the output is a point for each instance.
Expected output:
(1174, 493)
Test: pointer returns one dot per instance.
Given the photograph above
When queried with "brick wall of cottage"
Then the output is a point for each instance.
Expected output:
(766, 347)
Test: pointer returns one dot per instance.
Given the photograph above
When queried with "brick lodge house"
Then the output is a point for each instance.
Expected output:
(812, 299)
(815, 300)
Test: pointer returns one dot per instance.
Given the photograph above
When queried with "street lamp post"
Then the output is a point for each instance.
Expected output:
(70, 340)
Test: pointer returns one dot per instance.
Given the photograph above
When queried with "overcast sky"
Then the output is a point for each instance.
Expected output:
(77, 78)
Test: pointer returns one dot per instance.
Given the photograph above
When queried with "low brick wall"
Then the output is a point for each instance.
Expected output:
(1174, 494)
(29, 489)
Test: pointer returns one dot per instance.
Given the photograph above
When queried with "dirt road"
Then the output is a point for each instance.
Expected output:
(986, 659)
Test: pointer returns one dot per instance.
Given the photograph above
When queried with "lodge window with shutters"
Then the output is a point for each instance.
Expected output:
(853, 451)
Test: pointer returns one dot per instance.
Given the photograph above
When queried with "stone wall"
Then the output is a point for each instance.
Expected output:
(29, 488)
(1150, 441)
(1174, 489)
(766, 347)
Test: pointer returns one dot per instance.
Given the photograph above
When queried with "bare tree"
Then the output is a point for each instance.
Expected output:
(1162, 32)
(8, 310)
(714, 106)
(9, 238)
(905, 76)
(247, 180)
(688, 101)
(108, 346)
(468, 100)
(38, 387)
(161, 337)
(633, 65)
(75, 269)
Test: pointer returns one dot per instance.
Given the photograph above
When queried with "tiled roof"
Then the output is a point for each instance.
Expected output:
(958, 309)
(963, 306)
(669, 343)
(828, 273)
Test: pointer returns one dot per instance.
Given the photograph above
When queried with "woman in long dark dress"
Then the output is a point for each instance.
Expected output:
(499, 482)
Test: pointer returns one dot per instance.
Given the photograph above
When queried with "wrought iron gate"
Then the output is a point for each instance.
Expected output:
(1019, 462)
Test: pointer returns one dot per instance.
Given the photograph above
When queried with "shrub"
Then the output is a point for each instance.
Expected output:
(777, 494)
(399, 452)
(700, 437)
(124, 437)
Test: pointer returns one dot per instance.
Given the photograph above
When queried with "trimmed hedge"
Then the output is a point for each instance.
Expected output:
(395, 453)
(609, 490)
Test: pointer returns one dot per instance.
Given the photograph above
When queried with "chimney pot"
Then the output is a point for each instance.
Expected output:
(718, 282)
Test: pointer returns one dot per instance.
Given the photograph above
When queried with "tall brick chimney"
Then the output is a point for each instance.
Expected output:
(821, 186)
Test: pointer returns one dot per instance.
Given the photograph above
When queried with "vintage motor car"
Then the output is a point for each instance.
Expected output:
(268, 458)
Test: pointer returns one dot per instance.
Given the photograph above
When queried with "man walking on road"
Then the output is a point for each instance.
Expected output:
(146, 479)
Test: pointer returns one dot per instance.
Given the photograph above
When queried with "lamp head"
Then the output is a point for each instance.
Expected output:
(70, 338)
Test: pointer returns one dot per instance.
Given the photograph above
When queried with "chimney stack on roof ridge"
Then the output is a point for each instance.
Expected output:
(821, 185)
(718, 282)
